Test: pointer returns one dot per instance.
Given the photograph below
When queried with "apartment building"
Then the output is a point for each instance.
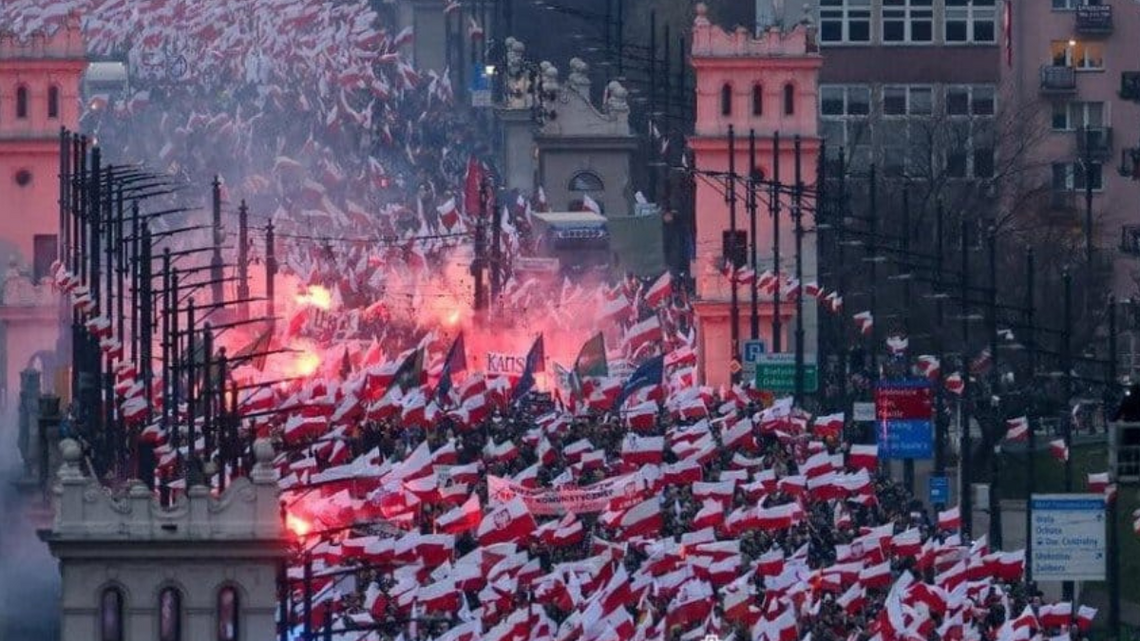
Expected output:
(1076, 65)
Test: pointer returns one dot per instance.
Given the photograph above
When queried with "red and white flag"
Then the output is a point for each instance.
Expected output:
(950, 519)
(659, 291)
(865, 322)
(955, 384)
(1059, 450)
(1098, 482)
(1017, 429)
(510, 522)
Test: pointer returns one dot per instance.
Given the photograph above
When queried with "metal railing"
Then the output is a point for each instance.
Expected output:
(1058, 79)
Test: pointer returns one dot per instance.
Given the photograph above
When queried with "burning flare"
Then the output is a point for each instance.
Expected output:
(315, 296)
(297, 525)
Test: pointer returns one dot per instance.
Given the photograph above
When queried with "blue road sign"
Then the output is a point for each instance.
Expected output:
(939, 490)
(905, 438)
(752, 349)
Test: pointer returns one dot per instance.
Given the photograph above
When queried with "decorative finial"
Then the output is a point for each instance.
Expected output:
(70, 451)
(263, 451)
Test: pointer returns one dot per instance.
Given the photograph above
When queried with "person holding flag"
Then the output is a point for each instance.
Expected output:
(456, 362)
(591, 363)
(535, 362)
(647, 374)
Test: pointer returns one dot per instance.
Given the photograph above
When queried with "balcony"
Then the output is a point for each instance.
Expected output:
(1094, 19)
(1094, 142)
(1130, 240)
(1058, 80)
(1130, 85)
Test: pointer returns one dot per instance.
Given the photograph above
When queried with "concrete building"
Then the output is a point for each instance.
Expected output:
(767, 83)
(205, 568)
(1075, 65)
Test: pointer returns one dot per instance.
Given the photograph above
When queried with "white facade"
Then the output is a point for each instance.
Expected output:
(206, 549)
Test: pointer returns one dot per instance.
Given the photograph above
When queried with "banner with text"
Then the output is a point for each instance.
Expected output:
(548, 501)
(506, 364)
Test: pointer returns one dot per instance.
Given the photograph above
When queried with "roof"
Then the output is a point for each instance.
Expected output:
(564, 218)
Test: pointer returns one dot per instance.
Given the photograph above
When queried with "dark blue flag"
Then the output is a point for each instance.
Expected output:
(456, 362)
(535, 362)
(648, 373)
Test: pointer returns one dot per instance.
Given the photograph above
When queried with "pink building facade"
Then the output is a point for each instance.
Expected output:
(39, 94)
(1074, 66)
(767, 83)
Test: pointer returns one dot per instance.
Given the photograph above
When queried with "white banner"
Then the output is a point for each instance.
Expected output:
(508, 364)
(547, 501)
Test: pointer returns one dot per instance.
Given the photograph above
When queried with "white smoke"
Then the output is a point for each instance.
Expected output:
(29, 576)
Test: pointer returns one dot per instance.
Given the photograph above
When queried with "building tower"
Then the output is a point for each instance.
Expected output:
(39, 94)
(205, 568)
(767, 83)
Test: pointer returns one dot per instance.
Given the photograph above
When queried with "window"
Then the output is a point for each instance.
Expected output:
(844, 118)
(111, 615)
(1070, 176)
(1071, 116)
(908, 20)
(757, 100)
(22, 102)
(170, 615)
(726, 100)
(1079, 55)
(53, 102)
(228, 614)
(789, 99)
(970, 21)
(845, 21)
(968, 139)
(586, 181)
(903, 101)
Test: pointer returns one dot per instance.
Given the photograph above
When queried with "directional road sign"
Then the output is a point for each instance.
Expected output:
(776, 372)
(1069, 538)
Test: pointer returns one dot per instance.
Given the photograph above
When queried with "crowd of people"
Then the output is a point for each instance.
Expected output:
(431, 499)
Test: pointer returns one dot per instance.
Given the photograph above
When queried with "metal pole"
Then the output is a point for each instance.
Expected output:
(940, 426)
(620, 38)
(1031, 445)
(477, 265)
(873, 288)
(496, 243)
(774, 210)
(730, 194)
(797, 214)
(270, 272)
(191, 396)
(308, 602)
(1113, 508)
(995, 460)
(967, 502)
(1088, 202)
(216, 259)
(908, 463)
(1067, 587)
(243, 259)
(752, 204)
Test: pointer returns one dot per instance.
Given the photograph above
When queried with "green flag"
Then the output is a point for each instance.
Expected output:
(411, 371)
(591, 360)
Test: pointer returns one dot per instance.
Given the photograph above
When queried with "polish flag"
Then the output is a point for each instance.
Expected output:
(643, 416)
(505, 524)
(643, 450)
(770, 563)
(1056, 615)
(863, 457)
(791, 288)
(929, 366)
(853, 600)
(812, 289)
(767, 282)
(834, 302)
(897, 344)
(830, 425)
(643, 519)
(1085, 616)
(780, 517)
(1098, 482)
(711, 514)
(1017, 429)
(1059, 450)
(745, 277)
(907, 543)
(818, 465)
(950, 519)
(1011, 565)
(448, 213)
(647, 331)
(865, 322)
(876, 576)
(955, 384)
(659, 291)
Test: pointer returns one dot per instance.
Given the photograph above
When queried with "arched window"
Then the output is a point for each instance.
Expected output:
(789, 99)
(757, 100)
(53, 102)
(586, 181)
(726, 100)
(111, 615)
(170, 615)
(22, 102)
(228, 619)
